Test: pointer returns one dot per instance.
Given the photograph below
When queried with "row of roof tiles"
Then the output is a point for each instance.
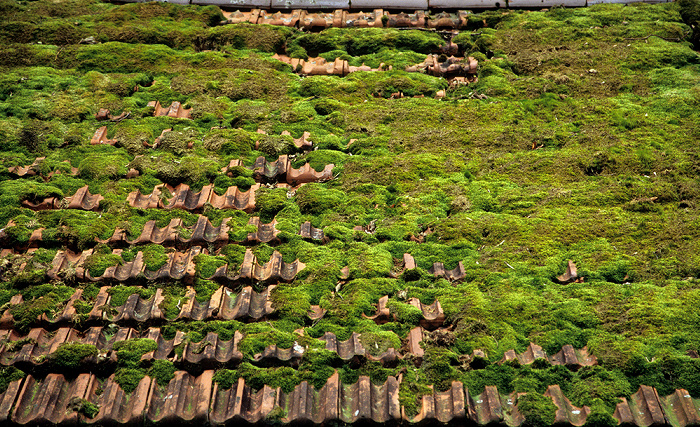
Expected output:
(280, 170)
(200, 400)
(201, 234)
(223, 305)
(450, 68)
(38, 344)
(376, 18)
(179, 266)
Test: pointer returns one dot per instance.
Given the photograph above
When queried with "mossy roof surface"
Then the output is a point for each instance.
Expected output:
(583, 147)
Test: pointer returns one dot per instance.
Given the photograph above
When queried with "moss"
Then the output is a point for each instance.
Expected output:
(259, 337)
(276, 145)
(119, 294)
(128, 378)
(538, 410)
(284, 377)
(84, 407)
(162, 371)
(365, 41)
(154, 256)
(69, 356)
(207, 265)
(589, 122)
(9, 374)
(103, 167)
(437, 365)
(596, 384)
(412, 390)
(129, 352)
(269, 202)
(377, 343)
(367, 261)
(51, 301)
(315, 199)
(292, 302)
(226, 378)
(101, 258)
(600, 415)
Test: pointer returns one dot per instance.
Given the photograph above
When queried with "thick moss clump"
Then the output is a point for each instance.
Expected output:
(130, 369)
(69, 356)
(270, 201)
(537, 410)
(100, 260)
(9, 374)
(162, 371)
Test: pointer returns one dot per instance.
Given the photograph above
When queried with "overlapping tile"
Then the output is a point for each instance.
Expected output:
(184, 400)
(680, 409)
(104, 114)
(47, 401)
(275, 270)
(321, 67)
(100, 137)
(175, 110)
(433, 316)
(364, 402)
(307, 405)
(448, 407)
(178, 266)
(309, 232)
(198, 399)
(437, 270)
(184, 198)
(241, 404)
(352, 350)
(34, 169)
(568, 356)
(566, 413)
(224, 304)
(117, 407)
(643, 408)
(281, 170)
(82, 199)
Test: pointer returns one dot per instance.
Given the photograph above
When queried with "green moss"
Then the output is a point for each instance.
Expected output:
(129, 352)
(315, 199)
(207, 265)
(365, 41)
(84, 407)
(437, 365)
(226, 378)
(103, 167)
(284, 377)
(9, 374)
(154, 256)
(377, 343)
(69, 356)
(276, 145)
(537, 410)
(596, 384)
(292, 302)
(269, 202)
(587, 120)
(38, 300)
(162, 371)
(600, 415)
(412, 390)
(128, 378)
(101, 258)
